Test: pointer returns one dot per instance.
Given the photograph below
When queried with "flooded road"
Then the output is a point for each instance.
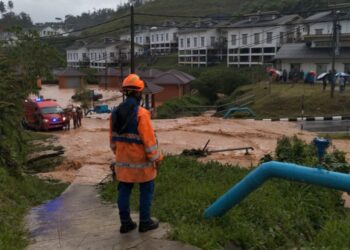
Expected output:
(90, 143)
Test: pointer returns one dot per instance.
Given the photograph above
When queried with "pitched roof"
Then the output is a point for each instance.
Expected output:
(71, 72)
(258, 22)
(151, 88)
(76, 46)
(173, 77)
(148, 73)
(302, 51)
(110, 72)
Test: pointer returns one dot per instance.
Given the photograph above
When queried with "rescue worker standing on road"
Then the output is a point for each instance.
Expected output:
(133, 141)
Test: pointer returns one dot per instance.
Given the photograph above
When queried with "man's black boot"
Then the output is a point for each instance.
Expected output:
(147, 226)
(127, 227)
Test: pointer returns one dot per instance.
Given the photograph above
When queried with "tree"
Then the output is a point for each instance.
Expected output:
(10, 5)
(2, 7)
(20, 64)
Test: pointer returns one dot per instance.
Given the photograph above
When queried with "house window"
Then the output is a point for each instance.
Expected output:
(202, 41)
(281, 37)
(188, 42)
(157, 37)
(269, 37)
(256, 38)
(347, 68)
(318, 31)
(167, 36)
(162, 37)
(111, 55)
(181, 43)
(245, 39)
(212, 40)
(195, 42)
(141, 39)
(152, 38)
(233, 39)
(84, 55)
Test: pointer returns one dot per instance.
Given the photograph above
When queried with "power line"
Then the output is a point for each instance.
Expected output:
(88, 36)
(240, 16)
(89, 27)
(184, 27)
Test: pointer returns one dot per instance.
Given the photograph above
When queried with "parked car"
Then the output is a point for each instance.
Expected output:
(90, 94)
(43, 114)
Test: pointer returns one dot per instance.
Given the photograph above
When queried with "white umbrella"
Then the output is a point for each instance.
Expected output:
(341, 74)
(321, 76)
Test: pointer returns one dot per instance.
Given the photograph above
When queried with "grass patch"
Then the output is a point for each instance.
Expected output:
(336, 136)
(16, 197)
(280, 214)
(285, 100)
(20, 192)
(184, 106)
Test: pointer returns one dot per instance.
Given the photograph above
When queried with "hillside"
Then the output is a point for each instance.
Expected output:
(285, 100)
(211, 8)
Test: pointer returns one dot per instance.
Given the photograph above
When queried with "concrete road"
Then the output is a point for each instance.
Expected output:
(326, 126)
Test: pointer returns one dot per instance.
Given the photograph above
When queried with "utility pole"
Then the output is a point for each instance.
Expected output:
(335, 48)
(132, 37)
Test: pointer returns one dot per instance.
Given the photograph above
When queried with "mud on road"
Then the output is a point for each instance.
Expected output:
(89, 144)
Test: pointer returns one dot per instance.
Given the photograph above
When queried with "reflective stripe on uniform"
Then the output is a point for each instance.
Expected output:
(151, 149)
(132, 165)
(125, 139)
(129, 138)
(155, 157)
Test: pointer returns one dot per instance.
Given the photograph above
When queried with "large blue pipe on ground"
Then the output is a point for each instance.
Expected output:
(275, 169)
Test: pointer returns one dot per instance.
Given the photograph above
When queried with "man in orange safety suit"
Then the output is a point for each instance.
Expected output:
(135, 146)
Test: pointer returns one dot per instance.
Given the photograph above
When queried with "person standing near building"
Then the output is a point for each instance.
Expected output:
(135, 146)
(285, 76)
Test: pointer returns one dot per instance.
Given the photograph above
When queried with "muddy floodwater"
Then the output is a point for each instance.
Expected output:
(90, 143)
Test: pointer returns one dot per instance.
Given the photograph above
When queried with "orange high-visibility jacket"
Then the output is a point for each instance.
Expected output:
(136, 148)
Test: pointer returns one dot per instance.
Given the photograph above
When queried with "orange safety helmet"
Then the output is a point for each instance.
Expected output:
(133, 82)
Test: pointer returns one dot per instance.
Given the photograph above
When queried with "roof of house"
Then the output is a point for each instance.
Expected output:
(327, 16)
(151, 88)
(148, 73)
(71, 72)
(245, 23)
(110, 72)
(173, 77)
(302, 51)
(76, 46)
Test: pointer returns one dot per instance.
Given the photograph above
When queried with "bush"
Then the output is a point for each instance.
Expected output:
(178, 107)
(278, 215)
(212, 82)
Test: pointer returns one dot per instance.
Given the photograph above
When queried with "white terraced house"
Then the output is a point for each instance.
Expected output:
(142, 37)
(111, 53)
(163, 41)
(77, 55)
(98, 55)
(314, 54)
(202, 46)
(256, 38)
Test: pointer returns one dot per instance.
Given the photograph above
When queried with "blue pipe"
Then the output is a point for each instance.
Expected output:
(275, 169)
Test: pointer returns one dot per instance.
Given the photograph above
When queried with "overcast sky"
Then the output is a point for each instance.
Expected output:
(47, 10)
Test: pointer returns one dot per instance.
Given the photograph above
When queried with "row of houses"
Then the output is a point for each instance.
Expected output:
(256, 39)
(161, 86)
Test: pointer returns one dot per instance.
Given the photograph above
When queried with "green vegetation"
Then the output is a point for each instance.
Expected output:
(285, 100)
(20, 65)
(279, 215)
(184, 106)
(19, 193)
(16, 197)
(337, 136)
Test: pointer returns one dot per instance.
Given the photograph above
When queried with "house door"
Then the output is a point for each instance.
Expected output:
(73, 82)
